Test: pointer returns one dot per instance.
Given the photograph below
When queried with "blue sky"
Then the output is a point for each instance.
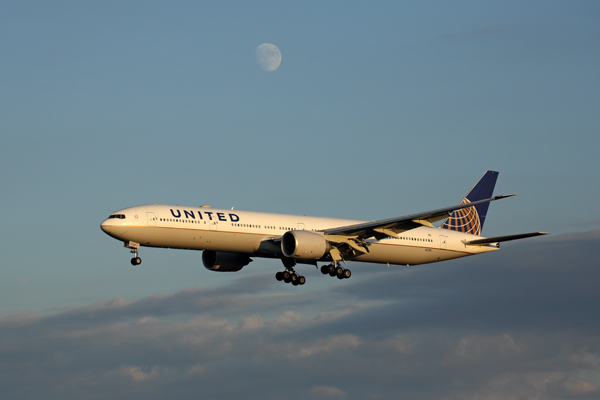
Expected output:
(378, 109)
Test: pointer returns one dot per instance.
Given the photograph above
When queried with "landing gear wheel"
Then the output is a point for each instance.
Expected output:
(339, 272)
(136, 261)
(331, 269)
(347, 274)
(324, 269)
(290, 276)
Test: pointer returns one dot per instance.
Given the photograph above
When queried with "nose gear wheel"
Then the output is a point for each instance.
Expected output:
(135, 260)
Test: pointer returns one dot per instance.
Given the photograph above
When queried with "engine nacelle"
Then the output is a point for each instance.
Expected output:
(224, 261)
(304, 244)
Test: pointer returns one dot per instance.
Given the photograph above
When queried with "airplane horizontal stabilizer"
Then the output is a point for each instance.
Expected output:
(499, 239)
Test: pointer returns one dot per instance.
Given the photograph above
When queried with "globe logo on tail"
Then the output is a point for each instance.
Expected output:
(465, 220)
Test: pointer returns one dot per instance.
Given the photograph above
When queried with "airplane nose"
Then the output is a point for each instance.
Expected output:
(112, 230)
(104, 226)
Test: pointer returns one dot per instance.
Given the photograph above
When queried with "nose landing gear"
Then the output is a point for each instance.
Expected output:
(136, 260)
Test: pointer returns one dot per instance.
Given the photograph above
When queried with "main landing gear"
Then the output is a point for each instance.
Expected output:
(290, 276)
(336, 270)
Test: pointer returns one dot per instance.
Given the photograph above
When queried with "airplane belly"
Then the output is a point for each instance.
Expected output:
(407, 255)
(193, 239)
(230, 241)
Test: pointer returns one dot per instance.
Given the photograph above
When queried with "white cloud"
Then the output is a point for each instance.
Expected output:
(329, 344)
(253, 322)
(401, 343)
(580, 387)
(476, 347)
(288, 318)
(147, 320)
(139, 374)
(329, 391)
(195, 370)
(339, 313)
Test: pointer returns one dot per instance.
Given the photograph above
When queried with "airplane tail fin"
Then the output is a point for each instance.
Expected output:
(470, 219)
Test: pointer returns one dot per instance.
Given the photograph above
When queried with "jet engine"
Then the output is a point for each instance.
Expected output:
(224, 261)
(304, 244)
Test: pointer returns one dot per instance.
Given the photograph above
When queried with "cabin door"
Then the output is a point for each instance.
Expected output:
(151, 218)
(443, 242)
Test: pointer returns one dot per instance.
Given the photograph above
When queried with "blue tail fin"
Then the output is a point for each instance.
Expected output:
(470, 219)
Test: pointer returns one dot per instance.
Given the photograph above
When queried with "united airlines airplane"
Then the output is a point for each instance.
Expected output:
(229, 239)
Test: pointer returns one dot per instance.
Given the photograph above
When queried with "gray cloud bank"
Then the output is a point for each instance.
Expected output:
(521, 323)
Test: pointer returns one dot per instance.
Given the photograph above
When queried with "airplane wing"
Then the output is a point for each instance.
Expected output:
(392, 226)
(498, 239)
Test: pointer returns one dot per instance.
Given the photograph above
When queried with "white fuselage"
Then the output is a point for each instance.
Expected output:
(253, 233)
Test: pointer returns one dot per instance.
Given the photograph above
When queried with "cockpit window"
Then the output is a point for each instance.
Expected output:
(119, 216)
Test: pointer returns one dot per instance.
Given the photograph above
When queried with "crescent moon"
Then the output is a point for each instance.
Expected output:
(268, 57)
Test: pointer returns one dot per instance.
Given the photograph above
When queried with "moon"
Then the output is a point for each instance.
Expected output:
(268, 57)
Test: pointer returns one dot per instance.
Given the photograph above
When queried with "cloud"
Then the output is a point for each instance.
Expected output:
(253, 322)
(519, 323)
(578, 387)
(474, 347)
(137, 374)
(328, 391)
(329, 344)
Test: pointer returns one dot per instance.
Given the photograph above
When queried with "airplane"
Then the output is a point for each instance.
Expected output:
(230, 239)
